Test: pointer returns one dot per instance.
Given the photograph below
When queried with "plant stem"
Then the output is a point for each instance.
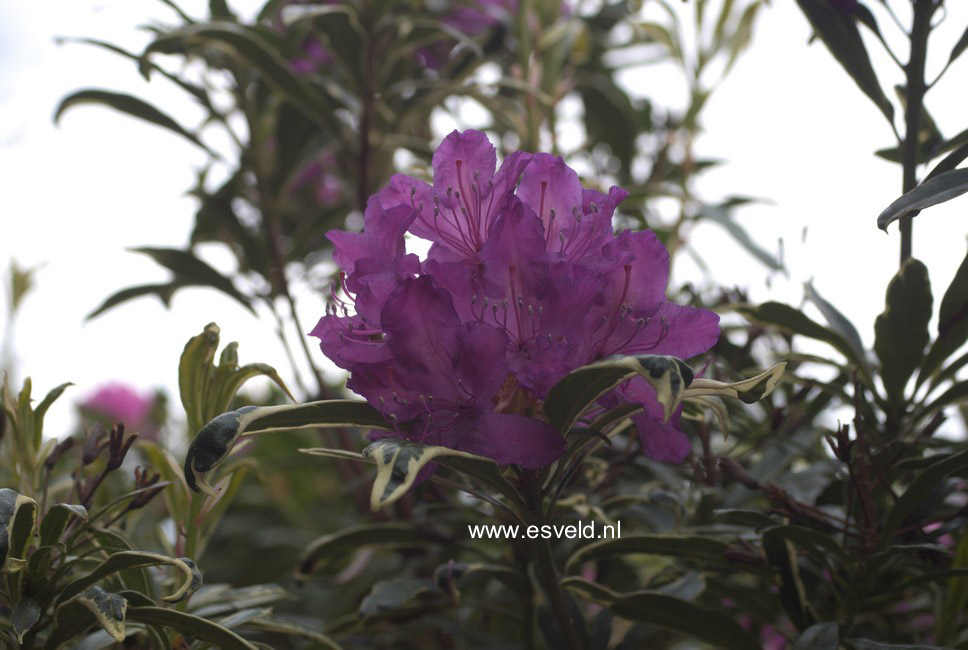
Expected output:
(914, 100)
(545, 564)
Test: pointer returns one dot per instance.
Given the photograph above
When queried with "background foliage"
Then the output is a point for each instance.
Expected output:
(796, 530)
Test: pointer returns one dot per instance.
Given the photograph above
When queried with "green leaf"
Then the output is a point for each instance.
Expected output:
(721, 215)
(866, 644)
(18, 514)
(56, 520)
(952, 323)
(126, 104)
(953, 604)
(24, 614)
(821, 636)
(189, 625)
(747, 391)
(195, 374)
(41, 409)
(291, 628)
(188, 269)
(446, 575)
(229, 377)
(705, 549)
(667, 612)
(745, 518)
(782, 555)
(93, 607)
(571, 396)
(254, 53)
(901, 331)
(398, 462)
(793, 321)
(837, 321)
(111, 541)
(840, 34)
(943, 187)
(163, 291)
(122, 560)
(919, 490)
(389, 595)
(198, 92)
(959, 47)
(326, 551)
(215, 440)
(217, 599)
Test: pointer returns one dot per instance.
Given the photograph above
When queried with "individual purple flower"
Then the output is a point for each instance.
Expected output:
(523, 258)
(117, 402)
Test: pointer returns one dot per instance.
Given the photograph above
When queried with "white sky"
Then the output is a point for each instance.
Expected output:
(792, 126)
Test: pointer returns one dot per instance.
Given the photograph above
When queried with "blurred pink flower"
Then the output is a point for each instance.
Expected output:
(117, 402)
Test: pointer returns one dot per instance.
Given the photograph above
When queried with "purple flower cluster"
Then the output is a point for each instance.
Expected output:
(524, 282)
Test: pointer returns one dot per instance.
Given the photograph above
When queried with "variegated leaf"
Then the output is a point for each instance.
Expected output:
(18, 515)
(108, 610)
(192, 577)
(215, 440)
(581, 388)
(748, 390)
(398, 462)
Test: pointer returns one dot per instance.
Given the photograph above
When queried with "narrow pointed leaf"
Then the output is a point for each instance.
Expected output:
(837, 29)
(163, 291)
(721, 215)
(191, 578)
(581, 388)
(56, 520)
(901, 331)
(195, 372)
(941, 188)
(187, 267)
(330, 549)
(215, 440)
(959, 47)
(127, 104)
(747, 391)
(189, 625)
(256, 54)
(837, 321)
(653, 608)
(952, 323)
(704, 549)
(919, 490)
(46, 403)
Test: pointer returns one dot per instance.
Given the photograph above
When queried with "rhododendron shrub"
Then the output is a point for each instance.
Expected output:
(524, 282)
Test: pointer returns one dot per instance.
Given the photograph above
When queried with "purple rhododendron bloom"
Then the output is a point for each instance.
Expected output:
(525, 281)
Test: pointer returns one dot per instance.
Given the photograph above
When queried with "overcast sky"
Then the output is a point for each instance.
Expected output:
(793, 127)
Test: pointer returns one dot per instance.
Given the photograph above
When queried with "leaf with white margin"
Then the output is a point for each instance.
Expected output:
(747, 391)
(93, 606)
(398, 462)
(18, 515)
(215, 440)
(136, 559)
(581, 388)
(941, 188)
